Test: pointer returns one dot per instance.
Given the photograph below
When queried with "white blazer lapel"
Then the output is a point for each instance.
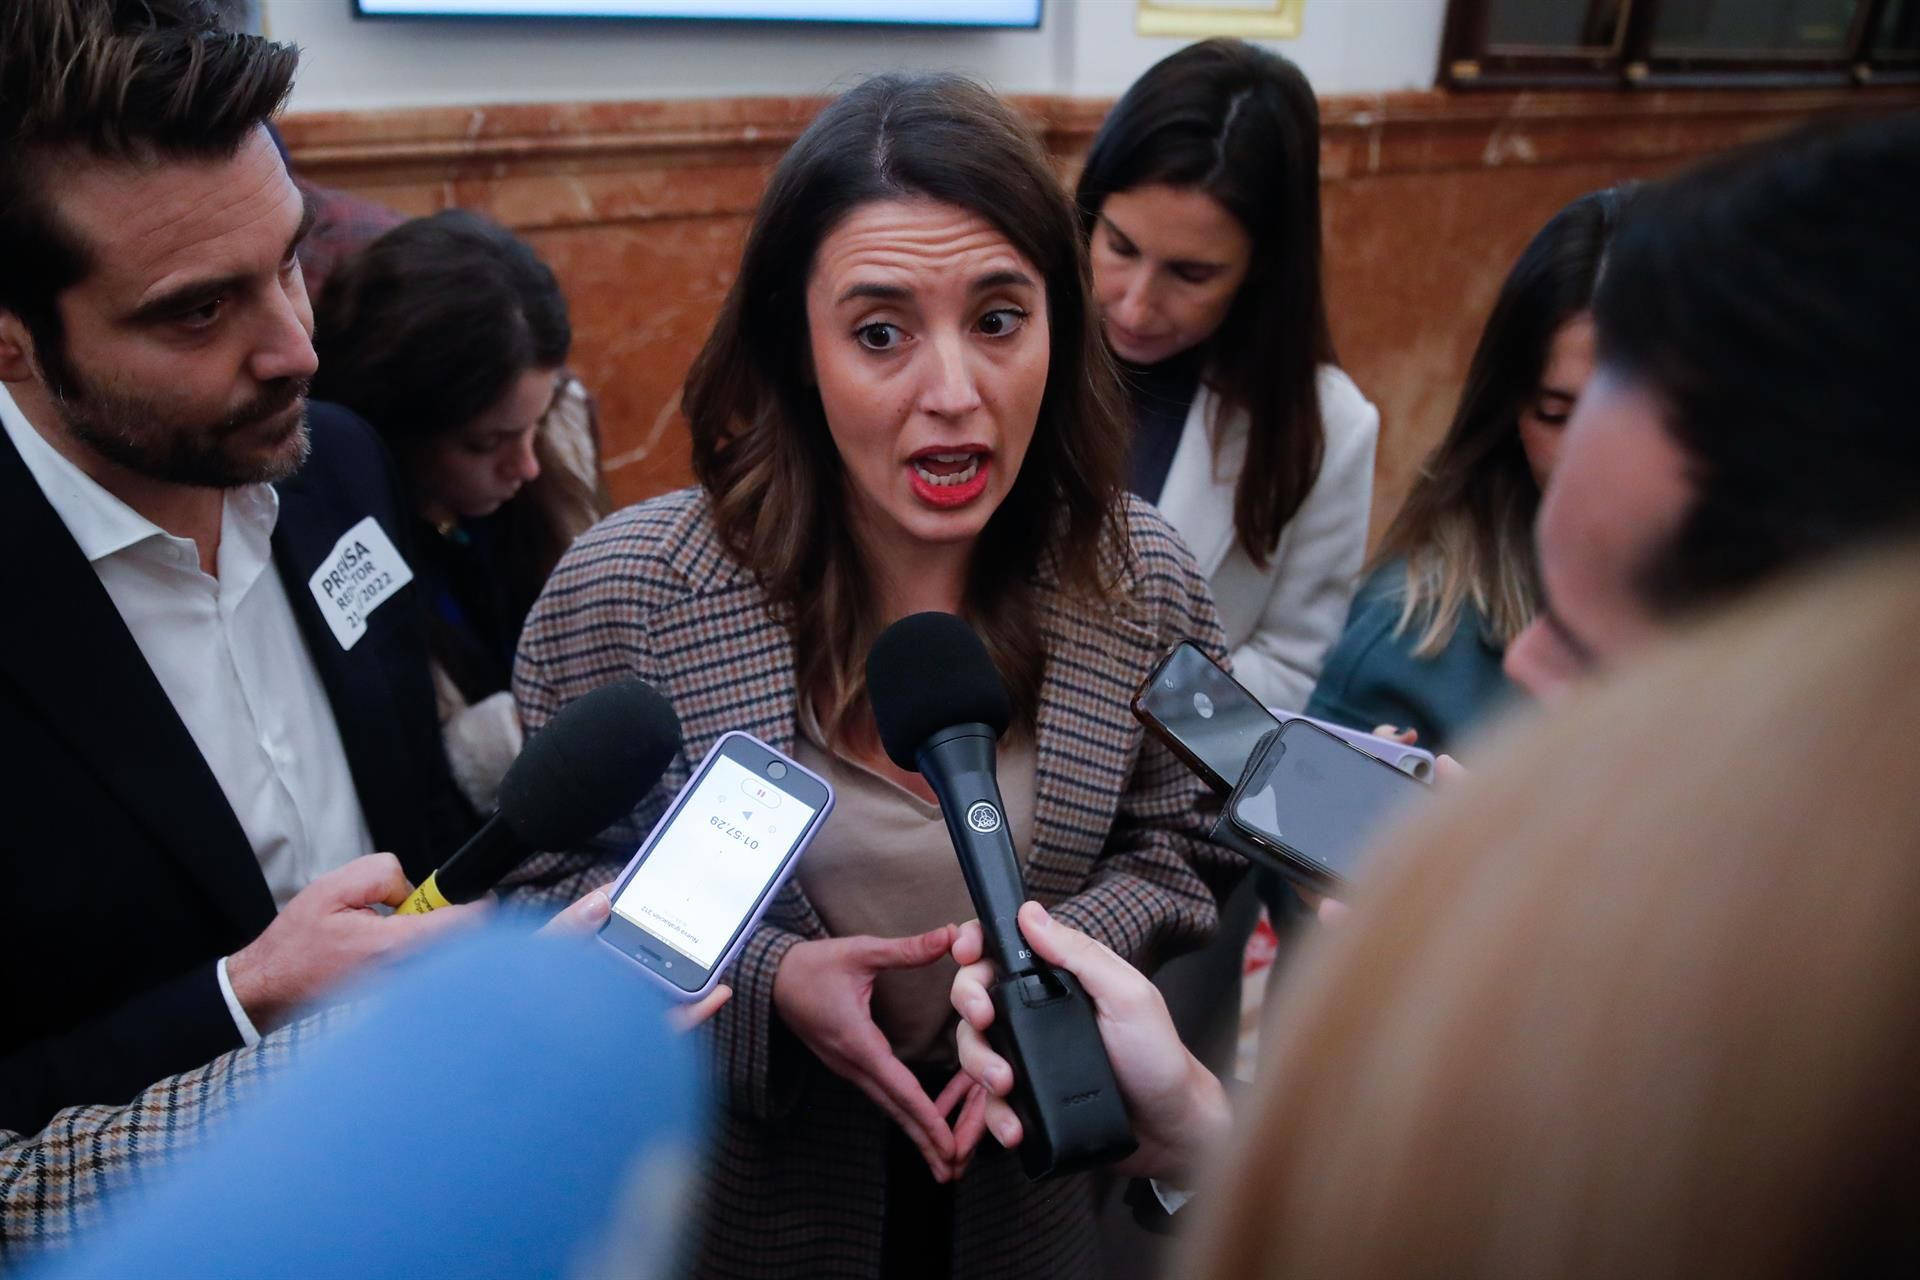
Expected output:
(1196, 500)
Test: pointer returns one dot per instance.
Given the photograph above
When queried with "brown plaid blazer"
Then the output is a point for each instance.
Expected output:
(796, 1185)
(64, 1180)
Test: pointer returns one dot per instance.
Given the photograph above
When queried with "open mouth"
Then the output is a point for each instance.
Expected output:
(947, 470)
(949, 478)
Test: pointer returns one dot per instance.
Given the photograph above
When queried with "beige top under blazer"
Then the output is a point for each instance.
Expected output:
(1281, 620)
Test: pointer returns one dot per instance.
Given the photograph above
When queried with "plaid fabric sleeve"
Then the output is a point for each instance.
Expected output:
(63, 1180)
(1156, 889)
(587, 629)
(593, 624)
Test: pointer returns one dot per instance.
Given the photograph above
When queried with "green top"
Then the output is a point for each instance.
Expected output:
(1371, 676)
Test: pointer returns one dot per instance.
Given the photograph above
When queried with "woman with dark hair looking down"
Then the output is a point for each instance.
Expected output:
(905, 405)
(451, 337)
(1201, 203)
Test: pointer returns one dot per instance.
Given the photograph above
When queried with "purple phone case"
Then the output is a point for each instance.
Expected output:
(1408, 760)
(773, 887)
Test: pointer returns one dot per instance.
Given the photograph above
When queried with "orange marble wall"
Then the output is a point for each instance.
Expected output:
(640, 208)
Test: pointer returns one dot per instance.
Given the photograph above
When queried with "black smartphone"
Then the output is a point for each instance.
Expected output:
(702, 879)
(1314, 802)
(1204, 714)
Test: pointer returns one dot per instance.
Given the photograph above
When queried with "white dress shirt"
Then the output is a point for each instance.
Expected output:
(230, 657)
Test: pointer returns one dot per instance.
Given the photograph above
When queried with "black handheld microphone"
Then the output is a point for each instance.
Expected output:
(941, 707)
(588, 768)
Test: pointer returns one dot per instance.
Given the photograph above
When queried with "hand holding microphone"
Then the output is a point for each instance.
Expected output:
(326, 934)
(941, 707)
(1178, 1108)
(597, 759)
(587, 769)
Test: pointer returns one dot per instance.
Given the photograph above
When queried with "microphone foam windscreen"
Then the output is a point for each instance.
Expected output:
(589, 767)
(929, 672)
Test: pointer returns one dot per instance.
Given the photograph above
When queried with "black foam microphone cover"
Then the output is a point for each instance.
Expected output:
(592, 763)
(941, 707)
(928, 672)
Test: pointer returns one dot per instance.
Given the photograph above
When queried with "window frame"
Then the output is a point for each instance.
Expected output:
(1468, 60)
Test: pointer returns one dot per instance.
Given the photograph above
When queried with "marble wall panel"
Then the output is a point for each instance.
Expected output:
(1414, 261)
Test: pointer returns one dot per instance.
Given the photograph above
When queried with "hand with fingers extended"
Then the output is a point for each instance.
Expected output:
(327, 933)
(823, 991)
(586, 914)
(1178, 1109)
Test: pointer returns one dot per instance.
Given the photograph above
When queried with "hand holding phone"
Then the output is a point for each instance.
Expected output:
(685, 905)
(1404, 756)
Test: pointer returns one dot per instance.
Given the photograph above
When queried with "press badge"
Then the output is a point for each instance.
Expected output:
(363, 572)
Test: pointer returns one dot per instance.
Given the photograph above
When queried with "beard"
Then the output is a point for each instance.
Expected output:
(133, 432)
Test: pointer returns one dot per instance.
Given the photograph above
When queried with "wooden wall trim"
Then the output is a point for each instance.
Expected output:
(476, 156)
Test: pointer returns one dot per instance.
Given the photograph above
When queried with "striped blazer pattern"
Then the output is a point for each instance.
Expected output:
(63, 1181)
(797, 1178)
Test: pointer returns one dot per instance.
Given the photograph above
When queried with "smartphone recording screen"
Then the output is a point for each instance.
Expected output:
(710, 865)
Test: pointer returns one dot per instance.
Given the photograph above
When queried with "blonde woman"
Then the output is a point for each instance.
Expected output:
(1455, 578)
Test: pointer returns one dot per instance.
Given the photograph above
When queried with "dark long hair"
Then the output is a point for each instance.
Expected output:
(1466, 529)
(760, 442)
(1242, 125)
(1768, 299)
(426, 329)
(430, 325)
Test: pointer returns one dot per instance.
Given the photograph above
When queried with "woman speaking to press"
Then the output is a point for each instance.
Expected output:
(905, 405)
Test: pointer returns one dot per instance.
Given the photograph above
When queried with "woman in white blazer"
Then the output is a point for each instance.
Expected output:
(1201, 204)
(1280, 618)
(1201, 200)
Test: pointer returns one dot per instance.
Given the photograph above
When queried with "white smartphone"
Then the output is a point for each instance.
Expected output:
(703, 877)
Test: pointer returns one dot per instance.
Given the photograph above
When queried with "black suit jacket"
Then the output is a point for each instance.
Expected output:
(124, 875)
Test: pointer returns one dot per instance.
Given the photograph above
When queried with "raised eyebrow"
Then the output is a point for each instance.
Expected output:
(884, 292)
(1002, 280)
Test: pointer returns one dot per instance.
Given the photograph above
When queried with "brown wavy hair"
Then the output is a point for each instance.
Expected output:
(761, 448)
